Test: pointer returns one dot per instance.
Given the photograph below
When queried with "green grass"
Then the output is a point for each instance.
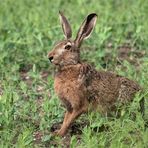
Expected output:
(28, 104)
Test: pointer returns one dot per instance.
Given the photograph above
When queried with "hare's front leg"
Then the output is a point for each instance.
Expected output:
(69, 118)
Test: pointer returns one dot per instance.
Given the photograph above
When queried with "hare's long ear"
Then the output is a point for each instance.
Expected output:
(65, 26)
(86, 28)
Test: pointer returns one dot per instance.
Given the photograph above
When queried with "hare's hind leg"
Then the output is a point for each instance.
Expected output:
(69, 118)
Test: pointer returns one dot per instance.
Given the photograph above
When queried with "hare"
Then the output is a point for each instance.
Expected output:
(78, 85)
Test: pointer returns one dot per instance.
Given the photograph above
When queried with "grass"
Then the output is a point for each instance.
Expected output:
(28, 105)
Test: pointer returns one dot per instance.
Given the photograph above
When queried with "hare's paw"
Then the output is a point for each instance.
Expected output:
(58, 133)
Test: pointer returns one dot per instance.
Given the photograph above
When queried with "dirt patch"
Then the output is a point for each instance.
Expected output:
(25, 77)
(114, 56)
(38, 136)
(76, 130)
(122, 53)
(132, 55)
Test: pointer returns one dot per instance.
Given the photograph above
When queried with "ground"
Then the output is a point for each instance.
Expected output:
(29, 108)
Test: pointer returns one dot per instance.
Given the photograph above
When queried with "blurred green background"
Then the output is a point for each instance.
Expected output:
(28, 106)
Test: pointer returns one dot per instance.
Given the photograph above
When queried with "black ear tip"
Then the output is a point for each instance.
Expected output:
(92, 15)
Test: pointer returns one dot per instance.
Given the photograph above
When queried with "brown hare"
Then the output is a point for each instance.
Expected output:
(79, 86)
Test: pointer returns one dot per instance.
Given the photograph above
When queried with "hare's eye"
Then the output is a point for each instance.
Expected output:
(67, 47)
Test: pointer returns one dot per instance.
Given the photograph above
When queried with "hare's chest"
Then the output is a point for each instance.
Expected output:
(65, 88)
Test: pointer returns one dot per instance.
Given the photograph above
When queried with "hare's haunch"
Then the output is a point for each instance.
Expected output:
(78, 85)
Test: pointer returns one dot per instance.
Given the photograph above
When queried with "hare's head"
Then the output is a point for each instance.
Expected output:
(66, 52)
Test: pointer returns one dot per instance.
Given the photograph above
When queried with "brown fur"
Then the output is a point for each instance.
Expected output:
(78, 85)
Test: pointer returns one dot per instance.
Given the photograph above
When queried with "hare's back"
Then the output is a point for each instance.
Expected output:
(105, 86)
(109, 87)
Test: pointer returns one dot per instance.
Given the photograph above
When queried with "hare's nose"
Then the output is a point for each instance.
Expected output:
(50, 59)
